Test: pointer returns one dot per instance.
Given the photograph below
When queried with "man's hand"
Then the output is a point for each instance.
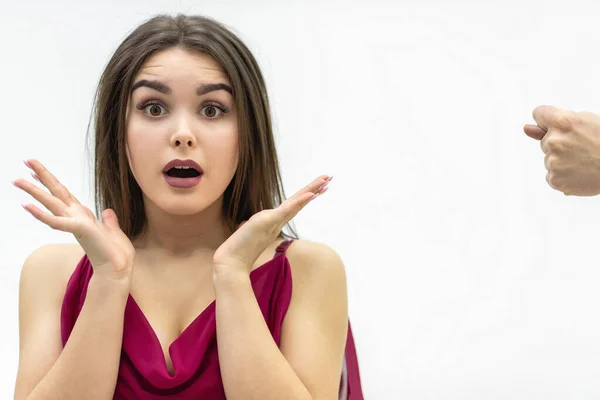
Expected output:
(571, 142)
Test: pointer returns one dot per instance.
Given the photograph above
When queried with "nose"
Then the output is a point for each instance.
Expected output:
(183, 136)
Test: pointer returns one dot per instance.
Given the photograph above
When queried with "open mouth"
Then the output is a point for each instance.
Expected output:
(182, 172)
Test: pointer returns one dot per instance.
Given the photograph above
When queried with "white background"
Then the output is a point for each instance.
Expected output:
(469, 277)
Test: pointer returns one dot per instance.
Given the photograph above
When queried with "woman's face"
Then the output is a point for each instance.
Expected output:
(182, 108)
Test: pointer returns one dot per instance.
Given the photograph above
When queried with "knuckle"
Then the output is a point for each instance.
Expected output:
(566, 120)
(552, 163)
(554, 145)
(553, 180)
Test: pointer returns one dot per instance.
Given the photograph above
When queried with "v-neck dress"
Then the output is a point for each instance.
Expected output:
(143, 373)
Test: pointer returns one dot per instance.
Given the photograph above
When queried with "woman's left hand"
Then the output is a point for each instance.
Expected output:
(241, 250)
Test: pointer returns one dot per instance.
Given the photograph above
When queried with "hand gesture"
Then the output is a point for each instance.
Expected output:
(109, 250)
(571, 144)
(241, 250)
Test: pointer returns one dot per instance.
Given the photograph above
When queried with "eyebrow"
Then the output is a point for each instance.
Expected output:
(162, 88)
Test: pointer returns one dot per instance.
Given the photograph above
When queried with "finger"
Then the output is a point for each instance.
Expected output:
(54, 205)
(547, 162)
(545, 116)
(323, 190)
(292, 206)
(534, 131)
(289, 208)
(60, 223)
(110, 219)
(544, 143)
(54, 186)
(551, 181)
(314, 186)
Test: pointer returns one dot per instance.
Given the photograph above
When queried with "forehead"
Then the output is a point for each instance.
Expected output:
(182, 65)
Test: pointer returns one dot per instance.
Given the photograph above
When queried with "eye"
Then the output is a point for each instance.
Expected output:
(154, 109)
(213, 111)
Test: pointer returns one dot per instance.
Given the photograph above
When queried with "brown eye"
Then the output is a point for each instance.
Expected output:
(152, 109)
(213, 111)
(210, 111)
(155, 110)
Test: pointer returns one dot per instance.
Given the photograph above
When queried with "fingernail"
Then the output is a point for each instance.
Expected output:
(324, 185)
(26, 163)
(34, 175)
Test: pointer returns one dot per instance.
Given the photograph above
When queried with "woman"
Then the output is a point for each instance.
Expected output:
(184, 289)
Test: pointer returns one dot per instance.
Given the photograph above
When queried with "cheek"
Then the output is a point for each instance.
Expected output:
(140, 145)
(140, 150)
(226, 151)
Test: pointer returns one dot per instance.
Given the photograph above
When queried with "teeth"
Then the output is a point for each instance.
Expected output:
(182, 167)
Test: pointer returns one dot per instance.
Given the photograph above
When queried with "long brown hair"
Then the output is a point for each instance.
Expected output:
(257, 182)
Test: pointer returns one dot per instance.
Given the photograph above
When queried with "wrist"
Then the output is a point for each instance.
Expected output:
(109, 285)
(225, 275)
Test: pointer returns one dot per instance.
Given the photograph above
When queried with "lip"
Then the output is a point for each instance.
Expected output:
(182, 183)
(182, 163)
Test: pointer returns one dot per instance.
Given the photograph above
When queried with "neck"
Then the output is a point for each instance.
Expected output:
(182, 235)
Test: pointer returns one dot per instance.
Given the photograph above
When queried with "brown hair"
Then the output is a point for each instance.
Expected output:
(257, 182)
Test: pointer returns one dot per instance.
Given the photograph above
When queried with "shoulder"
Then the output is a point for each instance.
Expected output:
(50, 267)
(307, 253)
(315, 265)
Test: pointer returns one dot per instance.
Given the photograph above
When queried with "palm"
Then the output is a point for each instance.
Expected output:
(104, 243)
(248, 242)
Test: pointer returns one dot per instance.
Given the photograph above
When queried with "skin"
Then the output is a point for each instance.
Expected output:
(570, 142)
(186, 260)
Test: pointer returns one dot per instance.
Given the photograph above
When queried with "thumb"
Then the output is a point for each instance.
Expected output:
(109, 218)
(545, 116)
(534, 131)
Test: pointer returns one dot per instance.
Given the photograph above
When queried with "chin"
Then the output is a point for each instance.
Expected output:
(178, 205)
(182, 207)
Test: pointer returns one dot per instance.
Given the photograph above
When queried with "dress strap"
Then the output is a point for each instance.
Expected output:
(283, 247)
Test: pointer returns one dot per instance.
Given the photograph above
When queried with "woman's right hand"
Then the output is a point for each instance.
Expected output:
(109, 250)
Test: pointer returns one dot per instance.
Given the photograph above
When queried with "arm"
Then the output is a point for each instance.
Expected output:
(308, 366)
(87, 367)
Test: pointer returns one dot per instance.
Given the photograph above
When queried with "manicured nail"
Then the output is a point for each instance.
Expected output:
(325, 183)
(321, 190)
(34, 175)
(26, 163)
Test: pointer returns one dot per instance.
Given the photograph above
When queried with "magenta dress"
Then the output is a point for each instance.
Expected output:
(143, 372)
